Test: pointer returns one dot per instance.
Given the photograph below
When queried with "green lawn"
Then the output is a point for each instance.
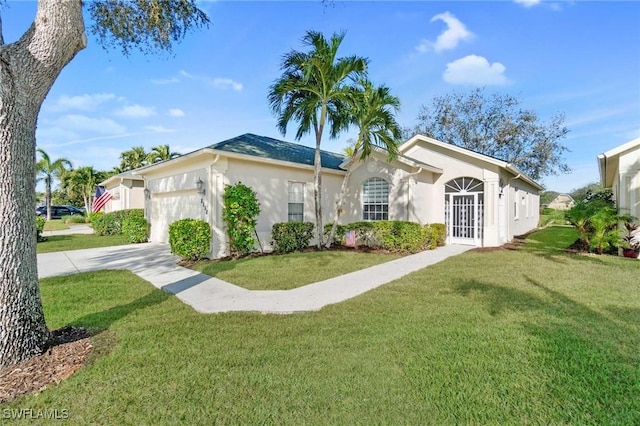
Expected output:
(284, 272)
(555, 217)
(55, 225)
(528, 336)
(79, 241)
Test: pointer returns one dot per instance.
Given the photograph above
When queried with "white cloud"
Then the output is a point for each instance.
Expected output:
(528, 3)
(475, 70)
(158, 129)
(85, 102)
(455, 33)
(226, 83)
(218, 83)
(176, 112)
(163, 81)
(81, 123)
(135, 111)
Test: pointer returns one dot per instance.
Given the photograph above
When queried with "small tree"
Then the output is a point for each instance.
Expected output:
(241, 208)
(496, 125)
(48, 170)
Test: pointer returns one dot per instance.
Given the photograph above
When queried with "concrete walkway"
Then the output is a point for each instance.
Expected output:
(80, 228)
(154, 263)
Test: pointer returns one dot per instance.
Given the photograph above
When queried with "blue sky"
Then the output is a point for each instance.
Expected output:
(577, 58)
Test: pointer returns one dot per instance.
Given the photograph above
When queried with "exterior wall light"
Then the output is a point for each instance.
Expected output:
(200, 187)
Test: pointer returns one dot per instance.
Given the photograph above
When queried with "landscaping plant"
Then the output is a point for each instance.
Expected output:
(190, 238)
(135, 229)
(291, 236)
(240, 212)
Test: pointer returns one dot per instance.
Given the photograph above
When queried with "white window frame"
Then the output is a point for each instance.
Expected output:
(375, 199)
(295, 198)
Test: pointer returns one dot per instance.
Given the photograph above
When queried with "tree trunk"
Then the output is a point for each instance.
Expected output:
(317, 192)
(47, 196)
(28, 69)
(336, 216)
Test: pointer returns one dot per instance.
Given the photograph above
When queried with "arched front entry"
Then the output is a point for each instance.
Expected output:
(464, 210)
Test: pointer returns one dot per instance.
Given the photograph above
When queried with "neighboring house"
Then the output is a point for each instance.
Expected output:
(620, 171)
(482, 200)
(562, 202)
(127, 191)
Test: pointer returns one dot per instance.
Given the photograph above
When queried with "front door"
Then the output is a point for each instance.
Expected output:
(463, 222)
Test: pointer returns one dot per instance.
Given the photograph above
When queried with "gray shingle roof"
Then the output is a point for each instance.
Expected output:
(274, 149)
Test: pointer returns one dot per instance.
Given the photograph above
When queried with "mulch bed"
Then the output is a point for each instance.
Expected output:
(67, 354)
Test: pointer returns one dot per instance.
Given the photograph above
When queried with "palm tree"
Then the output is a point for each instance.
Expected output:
(83, 181)
(315, 90)
(373, 113)
(161, 153)
(134, 158)
(48, 170)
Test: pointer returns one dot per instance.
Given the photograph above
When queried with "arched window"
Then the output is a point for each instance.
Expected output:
(375, 199)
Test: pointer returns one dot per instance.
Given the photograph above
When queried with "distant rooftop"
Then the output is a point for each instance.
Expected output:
(274, 149)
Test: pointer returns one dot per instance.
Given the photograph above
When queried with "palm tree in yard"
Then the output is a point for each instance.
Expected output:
(133, 158)
(161, 153)
(83, 181)
(48, 170)
(315, 90)
(373, 113)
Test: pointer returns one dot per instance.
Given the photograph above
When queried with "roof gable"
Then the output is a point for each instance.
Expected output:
(274, 149)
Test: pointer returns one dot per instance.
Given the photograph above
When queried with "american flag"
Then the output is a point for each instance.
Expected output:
(350, 238)
(102, 197)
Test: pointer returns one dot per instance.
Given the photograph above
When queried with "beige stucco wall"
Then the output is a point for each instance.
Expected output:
(174, 195)
(410, 190)
(628, 181)
(523, 206)
(126, 194)
(271, 183)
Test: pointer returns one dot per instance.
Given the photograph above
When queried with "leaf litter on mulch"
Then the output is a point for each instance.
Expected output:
(66, 354)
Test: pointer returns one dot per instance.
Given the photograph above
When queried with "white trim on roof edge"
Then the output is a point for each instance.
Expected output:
(503, 164)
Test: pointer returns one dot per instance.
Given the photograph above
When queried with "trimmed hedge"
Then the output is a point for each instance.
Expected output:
(135, 228)
(291, 236)
(394, 235)
(111, 223)
(190, 238)
(40, 221)
(76, 218)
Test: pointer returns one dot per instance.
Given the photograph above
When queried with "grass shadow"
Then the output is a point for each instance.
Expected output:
(588, 362)
(98, 322)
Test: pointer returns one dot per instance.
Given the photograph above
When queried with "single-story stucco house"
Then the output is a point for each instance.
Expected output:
(620, 171)
(562, 202)
(482, 200)
(127, 191)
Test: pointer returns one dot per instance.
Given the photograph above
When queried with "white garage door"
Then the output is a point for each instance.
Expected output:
(168, 207)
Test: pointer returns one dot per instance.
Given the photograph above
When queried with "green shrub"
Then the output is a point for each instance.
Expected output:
(190, 238)
(76, 218)
(40, 221)
(439, 233)
(340, 232)
(135, 229)
(241, 208)
(111, 223)
(291, 236)
(93, 216)
(430, 235)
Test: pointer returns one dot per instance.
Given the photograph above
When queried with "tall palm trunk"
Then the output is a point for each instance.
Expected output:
(317, 192)
(28, 69)
(341, 195)
(47, 196)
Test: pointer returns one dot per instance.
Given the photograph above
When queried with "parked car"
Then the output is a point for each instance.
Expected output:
(58, 211)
